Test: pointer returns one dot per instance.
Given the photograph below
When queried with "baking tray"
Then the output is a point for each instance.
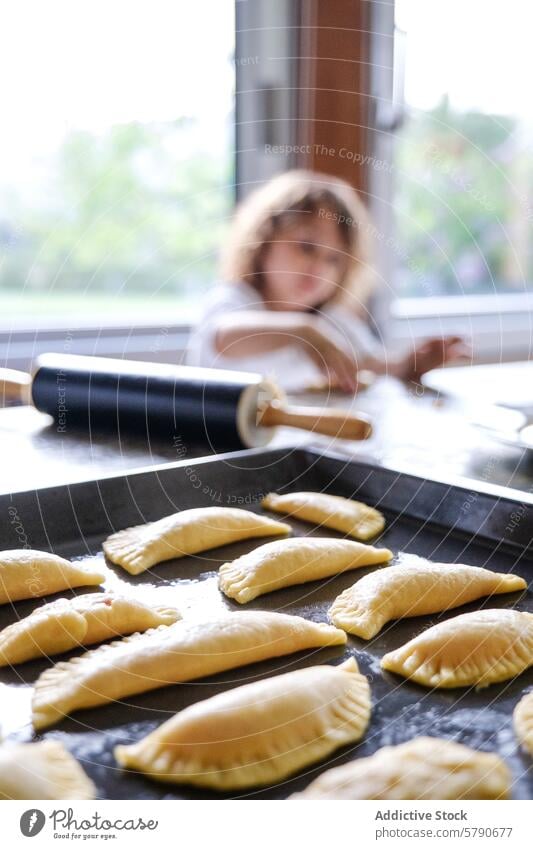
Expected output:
(443, 521)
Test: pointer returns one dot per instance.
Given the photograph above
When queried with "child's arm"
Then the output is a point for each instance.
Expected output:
(241, 333)
(432, 353)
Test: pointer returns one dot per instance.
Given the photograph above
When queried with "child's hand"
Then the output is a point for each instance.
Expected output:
(339, 366)
(433, 353)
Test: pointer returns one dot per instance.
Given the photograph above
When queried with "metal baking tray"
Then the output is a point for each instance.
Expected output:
(443, 521)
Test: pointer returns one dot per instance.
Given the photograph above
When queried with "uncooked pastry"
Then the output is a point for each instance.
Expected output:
(354, 518)
(414, 589)
(423, 768)
(42, 771)
(188, 532)
(25, 573)
(257, 734)
(523, 722)
(286, 562)
(69, 623)
(479, 648)
(169, 655)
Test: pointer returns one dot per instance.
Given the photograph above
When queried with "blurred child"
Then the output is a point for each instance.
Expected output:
(297, 274)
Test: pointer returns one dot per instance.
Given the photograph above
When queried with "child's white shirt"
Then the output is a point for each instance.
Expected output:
(288, 366)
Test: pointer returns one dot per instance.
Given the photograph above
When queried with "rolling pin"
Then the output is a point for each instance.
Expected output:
(227, 409)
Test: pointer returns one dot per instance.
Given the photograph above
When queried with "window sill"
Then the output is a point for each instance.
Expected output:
(500, 327)
(462, 305)
(161, 343)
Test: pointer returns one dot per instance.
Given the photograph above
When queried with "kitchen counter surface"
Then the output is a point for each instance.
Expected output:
(414, 431)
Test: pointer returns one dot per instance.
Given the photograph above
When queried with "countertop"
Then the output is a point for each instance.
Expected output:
(415, 431)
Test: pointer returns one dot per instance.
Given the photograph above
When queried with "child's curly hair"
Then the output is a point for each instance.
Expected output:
(278, 204)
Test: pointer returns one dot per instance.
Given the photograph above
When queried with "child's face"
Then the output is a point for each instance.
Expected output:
(304, 264)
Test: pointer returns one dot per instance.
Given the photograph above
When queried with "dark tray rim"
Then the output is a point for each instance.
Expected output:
(312, 450)
(482, 511)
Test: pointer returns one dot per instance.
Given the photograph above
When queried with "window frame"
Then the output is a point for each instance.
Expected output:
(500, 325)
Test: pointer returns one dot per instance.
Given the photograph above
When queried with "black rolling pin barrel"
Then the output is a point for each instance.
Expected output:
(202, 405)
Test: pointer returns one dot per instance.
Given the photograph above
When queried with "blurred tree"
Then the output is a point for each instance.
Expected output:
(137, 209)
(456, 196)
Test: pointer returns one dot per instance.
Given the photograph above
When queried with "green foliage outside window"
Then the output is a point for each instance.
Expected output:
(463, 204)
(137, 211)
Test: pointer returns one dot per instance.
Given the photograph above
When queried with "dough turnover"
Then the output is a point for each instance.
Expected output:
(188, 532)
(424, 768)
(286, 562)
(478, 648)
(523, 722)
(331, 511)
(25, 573)
(169, 655)
(257, 734)
(42, 771)
(79, 621)
(414, 589)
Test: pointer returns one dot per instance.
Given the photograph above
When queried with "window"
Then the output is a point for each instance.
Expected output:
(116, 166)
(463, 168)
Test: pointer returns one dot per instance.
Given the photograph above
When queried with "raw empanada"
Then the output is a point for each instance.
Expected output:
(523, 722)
(286, 562)
(414, 589)
(79, 621)
(259, 733)
(331, 511)
(423, 768)
(188, 532)
(478, 648)
(42, 771)
(25, 573)
(169, 655)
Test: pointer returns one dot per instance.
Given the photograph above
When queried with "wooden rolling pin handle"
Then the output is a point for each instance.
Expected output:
(320, 420)
(15, 386)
